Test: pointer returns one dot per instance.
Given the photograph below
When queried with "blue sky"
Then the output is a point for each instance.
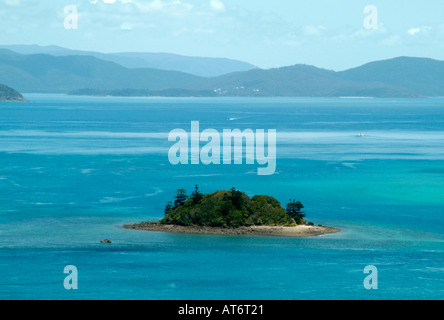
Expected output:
(325, 33)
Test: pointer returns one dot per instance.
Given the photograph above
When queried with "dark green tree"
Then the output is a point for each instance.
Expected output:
(196, 196)
(236, 198)
(168, 207)
(181, 197)
(294, 210)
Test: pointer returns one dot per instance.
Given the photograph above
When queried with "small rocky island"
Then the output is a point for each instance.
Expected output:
(8, 94)
(233, 213)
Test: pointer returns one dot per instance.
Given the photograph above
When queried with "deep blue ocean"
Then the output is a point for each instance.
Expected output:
(73, 170)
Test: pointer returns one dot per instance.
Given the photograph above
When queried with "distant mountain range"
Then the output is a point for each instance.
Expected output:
(8, 94)
(199, 66)
(295, 81)
(46, 73)
(421, 75)
(300, 81)
(90, 75)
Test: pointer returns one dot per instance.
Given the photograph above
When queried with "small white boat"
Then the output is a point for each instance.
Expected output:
(361, 134)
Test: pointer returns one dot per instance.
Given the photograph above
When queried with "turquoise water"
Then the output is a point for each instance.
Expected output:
(73, 170)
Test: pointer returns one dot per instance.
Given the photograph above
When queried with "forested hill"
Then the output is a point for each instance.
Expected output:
(230, 209)
(8, 94)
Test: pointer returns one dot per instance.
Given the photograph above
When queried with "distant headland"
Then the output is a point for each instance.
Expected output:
(233, 213)
(8, 94)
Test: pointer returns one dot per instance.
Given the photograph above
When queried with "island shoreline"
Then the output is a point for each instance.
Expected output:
(263, 230)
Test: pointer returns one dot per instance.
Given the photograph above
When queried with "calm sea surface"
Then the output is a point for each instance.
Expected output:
(73, 170)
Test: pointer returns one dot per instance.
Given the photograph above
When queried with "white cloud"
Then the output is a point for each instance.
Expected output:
(195, 31)
(217, 5)
(12, 3)
(393, 40)
(126, 26)
(313, 30)
(173, 7)
(415, 31)
(361, 34)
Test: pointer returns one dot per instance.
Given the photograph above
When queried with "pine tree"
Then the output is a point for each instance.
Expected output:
(168, 207)
(196, 196)
(181, 197)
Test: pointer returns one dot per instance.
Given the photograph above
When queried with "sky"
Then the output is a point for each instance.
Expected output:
(330, 34)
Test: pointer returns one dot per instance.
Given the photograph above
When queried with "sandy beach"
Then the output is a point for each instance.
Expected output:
(281, 231)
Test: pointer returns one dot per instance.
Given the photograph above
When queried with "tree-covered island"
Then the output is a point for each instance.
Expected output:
(232, 212)
(230, 209)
